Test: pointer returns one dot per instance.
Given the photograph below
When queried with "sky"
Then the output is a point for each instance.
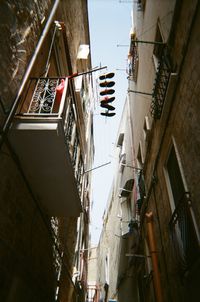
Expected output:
(110, 25)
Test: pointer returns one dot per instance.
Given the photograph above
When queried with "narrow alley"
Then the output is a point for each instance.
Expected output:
(53, 101)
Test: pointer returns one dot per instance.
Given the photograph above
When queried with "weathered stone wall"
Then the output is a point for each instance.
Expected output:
(20, 27)
(26, 253)
(76, 17)
(179, 121)
(26, 274)
(184, 127)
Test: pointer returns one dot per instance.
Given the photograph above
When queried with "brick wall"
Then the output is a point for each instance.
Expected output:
(183, 127)
(20, 26)
(26, 253)
(24, 241)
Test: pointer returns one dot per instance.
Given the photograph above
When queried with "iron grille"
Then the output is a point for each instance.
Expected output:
(44, 96)
(79, 173)
(133, 61)
(75, 150)
(160, 85)
(57, 258)
(184, 235)
(70, 123)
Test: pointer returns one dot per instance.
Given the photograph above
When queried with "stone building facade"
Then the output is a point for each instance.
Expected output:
(92, 288)
(46, 147)
(163, 97)
(115, 279)
(165, 136)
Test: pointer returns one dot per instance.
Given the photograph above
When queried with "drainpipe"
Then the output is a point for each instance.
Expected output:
(97, 298)
(154, 257)
(27, 73)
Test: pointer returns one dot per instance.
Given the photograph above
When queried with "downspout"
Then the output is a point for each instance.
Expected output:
(97, 294)
(154, 257)
(12, 112)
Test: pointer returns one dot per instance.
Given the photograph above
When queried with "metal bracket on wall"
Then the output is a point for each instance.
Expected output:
(149, 42)
(135, 168)
(137, 256)
(144, 42)
(140, 92)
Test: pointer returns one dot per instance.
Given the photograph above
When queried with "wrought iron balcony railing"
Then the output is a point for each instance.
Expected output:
(43, 97)
(75, 150)
(53, 98)
(79, 174)
(133, 60)
(69, 125)
(184, 235)
(160, 85)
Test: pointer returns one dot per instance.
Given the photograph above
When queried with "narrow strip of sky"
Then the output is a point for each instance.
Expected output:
(110, 25)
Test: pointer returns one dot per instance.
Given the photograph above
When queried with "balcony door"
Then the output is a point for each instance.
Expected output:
(182, 224)
(175, 178)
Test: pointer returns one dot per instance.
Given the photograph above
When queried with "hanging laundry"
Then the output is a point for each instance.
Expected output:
(59, 91)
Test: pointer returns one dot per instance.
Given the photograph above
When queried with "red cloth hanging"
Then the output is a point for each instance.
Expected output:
(59, 91)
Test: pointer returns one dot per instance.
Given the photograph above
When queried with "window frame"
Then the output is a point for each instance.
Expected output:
(166, 173)
(157, 51)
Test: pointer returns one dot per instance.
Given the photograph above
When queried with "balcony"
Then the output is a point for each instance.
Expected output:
(45, 137)
(160, 85)
(141, 191)
(133, 59)
(184, 235)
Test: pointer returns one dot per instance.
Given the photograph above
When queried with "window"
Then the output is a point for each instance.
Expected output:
(175, 178)
(120, 144)
(126, 217)
(107, 269)
(175, 181)
(158, 48)
(141, 5)
(140, 159)
(120, 140)
(182, 225)
(146, 128)
(122, 163)
(146, 134)
(140, 190)
(127, 188)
